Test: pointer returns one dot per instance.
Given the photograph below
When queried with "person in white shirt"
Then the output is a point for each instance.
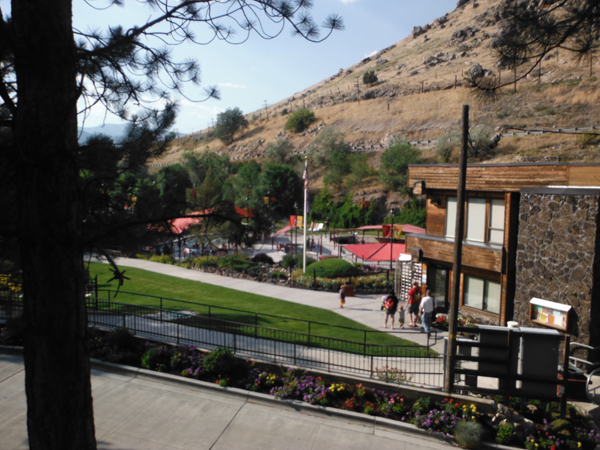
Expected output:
(426, 311)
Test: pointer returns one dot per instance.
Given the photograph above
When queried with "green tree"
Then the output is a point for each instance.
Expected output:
(280, 152)
(55, 217)
(333, 154)
(246, 179)
(300, 120)
(199, 165)
(370, 78)
(480, 139)
(229, 123)
(394, 164)
(446, 145)
(285, 185)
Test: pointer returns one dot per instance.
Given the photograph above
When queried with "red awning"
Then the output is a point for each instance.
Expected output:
(182, 224)
(376, 252)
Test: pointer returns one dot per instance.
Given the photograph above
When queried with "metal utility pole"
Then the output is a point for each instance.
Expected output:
(456, 266)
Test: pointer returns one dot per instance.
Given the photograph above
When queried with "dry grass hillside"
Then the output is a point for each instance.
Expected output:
(420, 93)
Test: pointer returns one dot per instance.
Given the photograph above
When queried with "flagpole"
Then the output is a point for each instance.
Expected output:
(305, 176)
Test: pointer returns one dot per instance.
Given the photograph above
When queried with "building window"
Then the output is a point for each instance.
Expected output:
(478, 216)
(475, 220)
(496, 223)
(482, 294)
(451, 217)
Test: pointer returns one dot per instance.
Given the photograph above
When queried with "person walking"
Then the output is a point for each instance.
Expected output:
(426, 311)
(391, 305)
(414, 299)
(342, 295)
(401, 314)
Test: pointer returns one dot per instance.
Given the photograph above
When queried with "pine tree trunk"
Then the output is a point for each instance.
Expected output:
(57, 369)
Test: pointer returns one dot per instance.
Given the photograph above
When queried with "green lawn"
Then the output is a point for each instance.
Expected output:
(200, 294)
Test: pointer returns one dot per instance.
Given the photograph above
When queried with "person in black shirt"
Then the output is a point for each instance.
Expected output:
(391, 305)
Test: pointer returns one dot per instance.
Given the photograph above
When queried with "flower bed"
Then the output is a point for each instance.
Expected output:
(446, 416)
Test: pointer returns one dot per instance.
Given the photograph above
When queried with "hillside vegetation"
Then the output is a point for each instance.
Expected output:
(420, 91)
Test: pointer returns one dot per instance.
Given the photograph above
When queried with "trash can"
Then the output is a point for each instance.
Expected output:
(349, 290)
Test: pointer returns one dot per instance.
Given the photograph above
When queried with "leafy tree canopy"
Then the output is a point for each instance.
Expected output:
(300, 120)
(370, 78)
(395, 161)
(229, 123)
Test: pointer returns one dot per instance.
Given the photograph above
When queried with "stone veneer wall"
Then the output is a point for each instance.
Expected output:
(558, 257)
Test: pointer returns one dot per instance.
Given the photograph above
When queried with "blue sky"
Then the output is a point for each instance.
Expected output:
(258, 70)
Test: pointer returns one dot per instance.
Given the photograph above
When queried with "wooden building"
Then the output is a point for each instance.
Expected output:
(493, 289)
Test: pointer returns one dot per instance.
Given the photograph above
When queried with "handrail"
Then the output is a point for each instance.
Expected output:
(251, 313)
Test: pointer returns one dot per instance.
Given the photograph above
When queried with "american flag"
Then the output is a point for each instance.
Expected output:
(305, 178)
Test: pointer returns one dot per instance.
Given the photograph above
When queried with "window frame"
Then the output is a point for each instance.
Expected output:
(485, 294)
(487, 228)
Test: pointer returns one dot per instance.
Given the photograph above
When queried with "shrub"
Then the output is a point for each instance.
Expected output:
(222, 364)
(505, 434)
(163, 259)
(422, 405)
(300, 120)
(332, 267)
(117, 346)
(288, 261)
(468, 433)
(158, 359)
(263, 258)
(206, 261)
(370, 78)
(446, 144)
(587, 139)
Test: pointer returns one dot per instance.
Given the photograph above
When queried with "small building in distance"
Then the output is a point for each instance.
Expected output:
(531, 231)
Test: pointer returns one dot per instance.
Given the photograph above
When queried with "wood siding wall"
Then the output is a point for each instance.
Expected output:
(475, 257)
(436, 217)
(505, 178)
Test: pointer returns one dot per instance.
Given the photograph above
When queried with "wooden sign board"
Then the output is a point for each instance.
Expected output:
(549, 314)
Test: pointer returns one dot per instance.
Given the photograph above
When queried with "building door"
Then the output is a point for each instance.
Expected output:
(437, 283)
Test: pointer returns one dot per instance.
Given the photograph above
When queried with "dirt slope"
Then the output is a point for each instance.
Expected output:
(420, 93)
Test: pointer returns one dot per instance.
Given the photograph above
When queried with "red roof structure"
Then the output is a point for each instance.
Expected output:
(182, 224)
(376, 252)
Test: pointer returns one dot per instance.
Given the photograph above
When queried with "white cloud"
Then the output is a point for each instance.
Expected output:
(348, 1)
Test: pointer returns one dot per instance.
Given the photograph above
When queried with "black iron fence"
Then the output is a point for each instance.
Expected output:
(406, 364)
(401, 364)
(216, 314)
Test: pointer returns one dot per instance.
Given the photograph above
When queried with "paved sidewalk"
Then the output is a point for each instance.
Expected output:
(135, 410)
(364, 309)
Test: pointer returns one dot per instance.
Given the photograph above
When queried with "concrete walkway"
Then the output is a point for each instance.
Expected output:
(136, 409)
(363, 309)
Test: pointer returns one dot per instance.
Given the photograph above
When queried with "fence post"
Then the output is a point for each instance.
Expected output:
(177, 333)
(255, 325)
(161, 310)
(565, 380)
(209, 319)
(309, 333)
(365, 352)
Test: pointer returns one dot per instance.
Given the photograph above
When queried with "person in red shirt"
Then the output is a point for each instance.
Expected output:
(414, 300)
